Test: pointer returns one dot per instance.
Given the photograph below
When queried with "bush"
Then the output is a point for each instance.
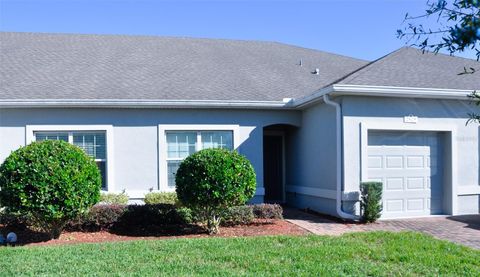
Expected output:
(99, 218)
(238, 215)
(109, 217)
(212, 180)
(371, 201)
(12, 219)
(268, 211)
(186, 215)
(161, 198)
(114, 198)
(51, 182)
(147, 215)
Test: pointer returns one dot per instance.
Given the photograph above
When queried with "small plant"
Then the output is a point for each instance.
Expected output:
(239, 215)
(114, 198)
(371, 201)
(212, 180)
(161, 198)
(268, 211)
(51, 182)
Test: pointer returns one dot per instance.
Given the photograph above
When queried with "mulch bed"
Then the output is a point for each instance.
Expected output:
(260, 227)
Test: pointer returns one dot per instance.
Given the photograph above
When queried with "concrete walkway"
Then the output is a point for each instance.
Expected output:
(459, 229)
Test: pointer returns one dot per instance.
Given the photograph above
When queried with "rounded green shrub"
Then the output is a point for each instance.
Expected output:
(51, 182)
(213, 180)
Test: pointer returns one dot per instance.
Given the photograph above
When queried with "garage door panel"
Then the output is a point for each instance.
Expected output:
(416, 204)
(407, 194)
(404, 173)
(394, 183)
(409, 165)
(393, 162)
(417, 183)
(415, 161)
(375, 162)
(393, 205)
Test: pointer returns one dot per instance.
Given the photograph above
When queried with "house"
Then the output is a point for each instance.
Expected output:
(313, 124)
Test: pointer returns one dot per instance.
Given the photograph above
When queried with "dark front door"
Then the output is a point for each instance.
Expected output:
(273, 168)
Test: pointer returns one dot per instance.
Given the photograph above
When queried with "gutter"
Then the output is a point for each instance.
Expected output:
(382, 91)
(339, 131)
(136, 103)
(286, 103)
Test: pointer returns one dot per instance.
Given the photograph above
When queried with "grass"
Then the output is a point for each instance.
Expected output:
(375, 253)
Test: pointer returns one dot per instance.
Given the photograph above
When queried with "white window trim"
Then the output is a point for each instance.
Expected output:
(162, 145)
(108, 129)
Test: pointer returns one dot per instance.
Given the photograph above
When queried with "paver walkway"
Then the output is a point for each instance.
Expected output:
(459, 229)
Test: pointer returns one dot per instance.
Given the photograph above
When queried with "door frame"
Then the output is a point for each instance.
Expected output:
(279, 134)
(450, 189)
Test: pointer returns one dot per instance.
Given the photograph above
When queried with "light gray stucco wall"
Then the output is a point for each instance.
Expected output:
(136, 134)
(311, 178)
(430, 113)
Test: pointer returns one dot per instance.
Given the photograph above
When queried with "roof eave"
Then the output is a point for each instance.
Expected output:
(382, 91)
(300, 103)
(107, 103)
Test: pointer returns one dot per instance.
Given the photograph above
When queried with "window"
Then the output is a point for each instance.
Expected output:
(181, 144)
(93, 143)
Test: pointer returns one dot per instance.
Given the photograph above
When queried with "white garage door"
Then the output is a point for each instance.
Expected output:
(409, 164)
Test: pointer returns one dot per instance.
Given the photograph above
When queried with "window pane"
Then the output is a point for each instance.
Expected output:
(92, 143)
(172, 171)
(217, 139)
(181, 144)
(41, 136)
(103, 171)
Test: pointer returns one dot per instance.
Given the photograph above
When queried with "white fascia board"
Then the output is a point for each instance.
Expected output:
(382, 91)
(287, 103)
(389, 91)
(107, 103)
(312, 98)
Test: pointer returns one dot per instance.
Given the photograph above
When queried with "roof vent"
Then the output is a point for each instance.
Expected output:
(316, 71)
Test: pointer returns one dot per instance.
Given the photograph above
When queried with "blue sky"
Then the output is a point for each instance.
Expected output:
(363, 29)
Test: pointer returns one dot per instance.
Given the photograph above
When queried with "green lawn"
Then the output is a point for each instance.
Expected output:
(377, 253)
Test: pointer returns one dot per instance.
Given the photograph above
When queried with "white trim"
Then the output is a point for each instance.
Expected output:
(468, 190)
(312, 191)
(383, 91)
(392, 91)
(30, 137)
(162, 145)
(415, 217)
(316, 96)
(313, 98)
(421, 127)
(142, 103)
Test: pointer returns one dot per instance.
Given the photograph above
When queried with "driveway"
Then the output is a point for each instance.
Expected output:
(463, 229)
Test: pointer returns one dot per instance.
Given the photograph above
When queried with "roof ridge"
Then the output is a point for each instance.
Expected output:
(438, 53)
(186, 38)
(364, 69)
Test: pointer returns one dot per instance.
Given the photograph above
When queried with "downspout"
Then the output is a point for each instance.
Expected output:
(339, 128)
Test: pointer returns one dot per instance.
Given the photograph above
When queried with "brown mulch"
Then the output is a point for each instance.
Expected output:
(257, 228)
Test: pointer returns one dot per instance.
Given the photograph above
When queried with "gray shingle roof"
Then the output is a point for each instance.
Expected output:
(72, 66)
(409, 67)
